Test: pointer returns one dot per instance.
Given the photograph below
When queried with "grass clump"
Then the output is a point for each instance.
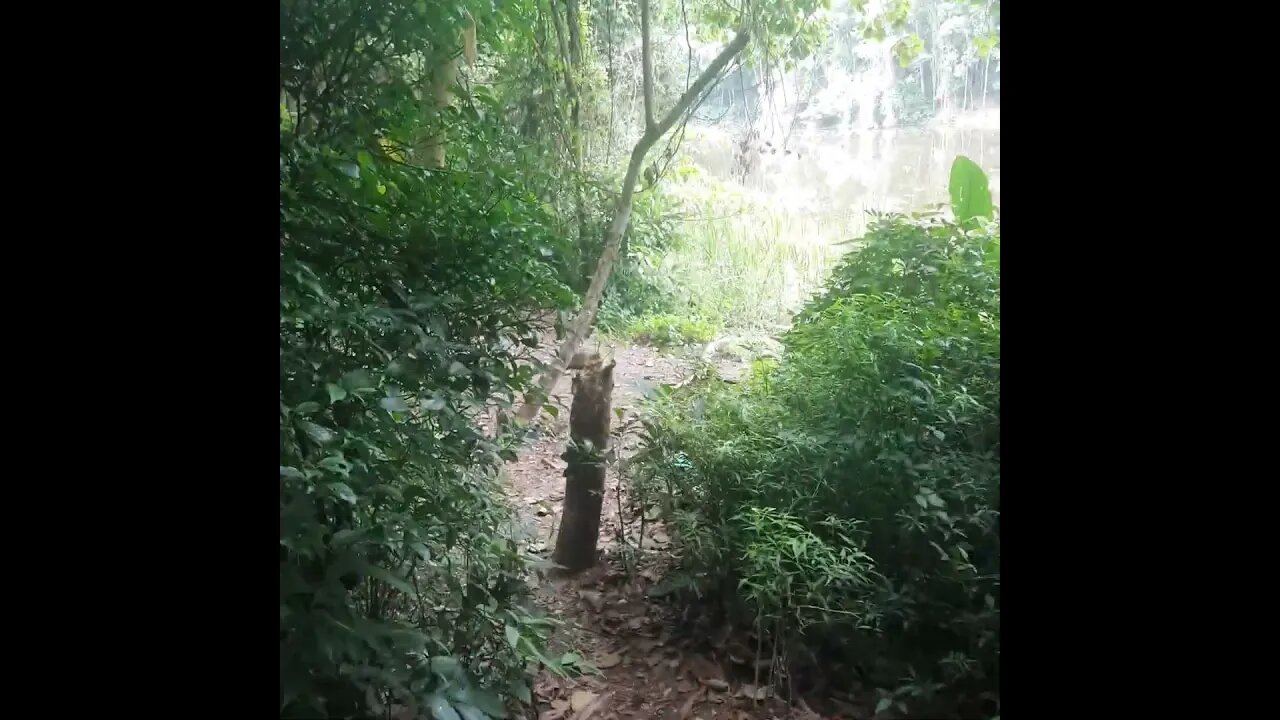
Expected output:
(666, 330)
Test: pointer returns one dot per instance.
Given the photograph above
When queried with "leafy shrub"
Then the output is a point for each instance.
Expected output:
(403, 296)
(643, 283)
(667, 330)
(848, 496)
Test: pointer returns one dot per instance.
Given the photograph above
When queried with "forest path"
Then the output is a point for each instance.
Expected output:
(651, 663)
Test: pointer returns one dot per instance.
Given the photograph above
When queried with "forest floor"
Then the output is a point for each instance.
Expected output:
(652, 661)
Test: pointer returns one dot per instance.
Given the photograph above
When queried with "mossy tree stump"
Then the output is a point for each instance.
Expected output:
(584, 476)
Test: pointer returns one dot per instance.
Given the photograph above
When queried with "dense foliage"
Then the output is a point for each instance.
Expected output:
(406, 296)
(845, 500)
(447, 170)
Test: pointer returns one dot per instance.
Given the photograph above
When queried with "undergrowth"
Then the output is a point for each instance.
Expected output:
(844, 501)
(406, 297)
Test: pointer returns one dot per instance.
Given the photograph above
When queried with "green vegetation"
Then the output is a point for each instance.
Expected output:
(844, 502)
(720, 259)
(668, 330)
(405, 294)
(455, 174)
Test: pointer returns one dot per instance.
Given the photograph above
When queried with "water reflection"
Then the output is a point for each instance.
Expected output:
(840, 172)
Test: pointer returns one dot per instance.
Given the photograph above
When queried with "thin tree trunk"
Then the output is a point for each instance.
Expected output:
(986, 72)
(569, 39)
(622, 211)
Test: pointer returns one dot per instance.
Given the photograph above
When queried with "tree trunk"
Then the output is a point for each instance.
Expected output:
(584, 476)
(622, 211)
(986, 72)
(443, 76)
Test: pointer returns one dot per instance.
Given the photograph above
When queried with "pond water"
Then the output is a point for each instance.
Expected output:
(840, 172)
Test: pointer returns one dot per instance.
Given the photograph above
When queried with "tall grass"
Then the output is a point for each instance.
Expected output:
(728, 257)
(754, 269)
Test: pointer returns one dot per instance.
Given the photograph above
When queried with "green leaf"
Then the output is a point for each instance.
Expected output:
(570, 658)
(393, 403)
(343, 492)
(488, 702)
(336, 464)
(447, 667)
(440, 708)
(390, 578)
(433, 404)
(922, 502)
(291, 472)
(970, 196)
(307, 408)
(469, 712)
(884, 704)
(523, 693)
(513, 635)
(358, 380)
(552, 410)
(456, 368)
(336, 392)
(936, 501)
(318, 433)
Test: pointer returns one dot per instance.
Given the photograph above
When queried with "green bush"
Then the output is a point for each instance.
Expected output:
(643, 284)
(405, 295)
(667, 330)
(846, 499)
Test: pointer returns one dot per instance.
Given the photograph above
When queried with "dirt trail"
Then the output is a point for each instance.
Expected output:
(651, 663)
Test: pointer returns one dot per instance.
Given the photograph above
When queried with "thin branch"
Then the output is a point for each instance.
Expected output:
(708, 76)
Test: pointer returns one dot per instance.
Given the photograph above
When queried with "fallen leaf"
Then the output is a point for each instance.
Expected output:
(644, 645)
(685, 685)
(581, 699)
(596, 706)
(714, 683)
(547, 689)
(687, 709)
(608, 660)
(636, 623)
(560, 704)
(593, 598)
(703, 668)
(751, 692)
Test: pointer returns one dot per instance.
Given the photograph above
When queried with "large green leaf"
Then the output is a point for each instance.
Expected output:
(440, 708)
(970, 196)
